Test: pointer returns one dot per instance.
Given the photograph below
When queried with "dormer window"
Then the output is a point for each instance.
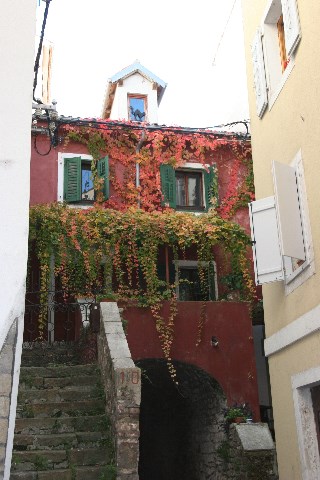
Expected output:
(137, 108)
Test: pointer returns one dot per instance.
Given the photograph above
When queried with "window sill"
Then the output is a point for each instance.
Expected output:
(192, 212)
(180, 208)
(80, 205)
(300, 276)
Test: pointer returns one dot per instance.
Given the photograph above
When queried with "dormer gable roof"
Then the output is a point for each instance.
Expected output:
(126, 72)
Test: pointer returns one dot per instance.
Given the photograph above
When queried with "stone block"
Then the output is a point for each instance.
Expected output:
(110, 312)
(124, 393)
(126, 362)
(127, 455)
(255, 436)
(113, 327)
(3, 430)
(2, 454)
(6, 360)
(4, 406)
(127, 476)
(11, 337)
(118, 345)
(5, 384)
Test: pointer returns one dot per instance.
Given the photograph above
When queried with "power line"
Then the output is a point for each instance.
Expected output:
(37, 61)
(223, 33)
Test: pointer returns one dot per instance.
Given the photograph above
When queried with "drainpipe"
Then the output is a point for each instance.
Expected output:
(51, 302)
(138, 148)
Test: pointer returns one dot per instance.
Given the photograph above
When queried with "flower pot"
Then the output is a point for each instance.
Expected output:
(239, 420)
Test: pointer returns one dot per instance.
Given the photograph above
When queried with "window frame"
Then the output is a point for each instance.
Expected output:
(168, 185)
(194, 264)
(265, 244)
(145, 102)
(81, 203)
(269, 78)
(187, 172)
(295, 278)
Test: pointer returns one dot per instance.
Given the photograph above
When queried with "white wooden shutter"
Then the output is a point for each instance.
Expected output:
(291, 24)
(288, 211)
(267, 256)
(259, 74)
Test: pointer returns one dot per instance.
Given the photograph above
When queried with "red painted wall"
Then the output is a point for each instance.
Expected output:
(232, 363)
(44, 169)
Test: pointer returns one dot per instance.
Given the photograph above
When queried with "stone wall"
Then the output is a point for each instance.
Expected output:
(7, 357)
(122, 384)
(181, 426)
(248, 453)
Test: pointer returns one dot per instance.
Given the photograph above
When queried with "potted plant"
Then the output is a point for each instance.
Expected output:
(238, 413)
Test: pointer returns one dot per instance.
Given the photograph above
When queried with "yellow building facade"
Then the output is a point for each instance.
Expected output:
(282, 40)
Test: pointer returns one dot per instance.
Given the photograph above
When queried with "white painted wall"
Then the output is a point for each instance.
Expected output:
(17, 34)
(135, 84)
(17, 37)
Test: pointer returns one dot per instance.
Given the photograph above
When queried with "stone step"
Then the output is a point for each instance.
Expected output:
(47, 425)
(61, 409)
(60, 459)
(45, 356)
(61, 430)
(96, 472)
(56, 395)
(60, 441)
(79, 382)
(58, 371)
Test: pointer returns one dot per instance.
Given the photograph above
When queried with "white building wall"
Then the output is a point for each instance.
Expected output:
(17, 32)
(139, 85)
(17, 38)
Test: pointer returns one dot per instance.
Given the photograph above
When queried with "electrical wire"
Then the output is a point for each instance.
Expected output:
(100, 124)
(37, 60)
(223, 33)
(35, 81)
(36, 147)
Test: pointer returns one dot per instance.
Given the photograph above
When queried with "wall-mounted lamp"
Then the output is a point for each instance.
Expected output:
(214, 342)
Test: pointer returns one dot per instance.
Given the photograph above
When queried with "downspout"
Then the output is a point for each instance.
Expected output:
(138, 148)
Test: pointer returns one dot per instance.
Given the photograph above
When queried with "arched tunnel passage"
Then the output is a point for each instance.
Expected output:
(181, 426)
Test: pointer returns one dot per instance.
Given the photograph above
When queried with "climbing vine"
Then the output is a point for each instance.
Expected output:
(95, 246)
(162, 147)
(114, 246)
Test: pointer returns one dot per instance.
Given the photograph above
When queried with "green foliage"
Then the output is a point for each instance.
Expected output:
(41, 463)
(109, 472)
(128, 244)
(236, 411)
(234, 281)
(223, 451)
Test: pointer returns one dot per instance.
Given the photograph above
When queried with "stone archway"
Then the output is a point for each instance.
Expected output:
(181, 426)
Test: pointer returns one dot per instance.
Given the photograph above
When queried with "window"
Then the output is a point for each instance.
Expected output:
(282, 44)
(280, 229)
(189, 287)
(272, 51)
(77, 179)
(188, 188)
(137, 108)
(305, 404)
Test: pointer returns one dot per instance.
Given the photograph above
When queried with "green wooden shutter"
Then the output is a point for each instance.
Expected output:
(168, 185)
(72, 179)
(210, 185)
(103, 172)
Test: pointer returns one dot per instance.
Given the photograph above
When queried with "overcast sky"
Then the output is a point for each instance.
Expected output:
(176, 39)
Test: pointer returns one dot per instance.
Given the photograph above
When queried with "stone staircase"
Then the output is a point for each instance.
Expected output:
(62, 432)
